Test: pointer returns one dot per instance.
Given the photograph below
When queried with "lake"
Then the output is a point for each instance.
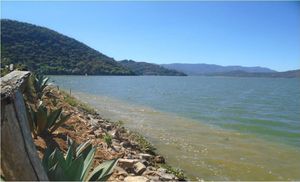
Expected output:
(214, 128)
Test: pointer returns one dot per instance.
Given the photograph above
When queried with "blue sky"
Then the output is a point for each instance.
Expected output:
(225, 33)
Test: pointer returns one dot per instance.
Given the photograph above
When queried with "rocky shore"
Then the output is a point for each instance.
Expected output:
(137, 159)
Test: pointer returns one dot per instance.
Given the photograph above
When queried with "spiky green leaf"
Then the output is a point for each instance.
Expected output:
(82, 148)
(61, 121)
(103, 171)
(74, 171)
(53, 116)
(88, 161)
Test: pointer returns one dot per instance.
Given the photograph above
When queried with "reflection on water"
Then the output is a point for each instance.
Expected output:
(204, 151)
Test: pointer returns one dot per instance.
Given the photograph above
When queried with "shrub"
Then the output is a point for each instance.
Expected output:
(145, 145)
(107, 139)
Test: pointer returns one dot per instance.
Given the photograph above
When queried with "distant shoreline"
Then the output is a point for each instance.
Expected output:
(207, 75)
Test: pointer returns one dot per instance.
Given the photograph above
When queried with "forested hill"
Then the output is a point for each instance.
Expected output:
(143, 68)
(203, 69)
(47, 51)
(285, 74)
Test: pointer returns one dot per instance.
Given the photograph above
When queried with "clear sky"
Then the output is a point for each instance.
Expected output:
(225, 33)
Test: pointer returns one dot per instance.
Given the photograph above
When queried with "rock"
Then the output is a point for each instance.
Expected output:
(100, 121)
(106, 126)
(125, 144)
(149, 173)
(116, 148)
(98, 133)
(139, 168)
(162, 170)
(134, 145)
(136, 179)
(127, 163)
(151, 168)
(121, 178)
(154, 178)
(120, 171)
(115, 134)
(166, 176)
(91, 136)
(94, 128)
(159, 159)
(128, 156)
(145, 156)
(145, 162)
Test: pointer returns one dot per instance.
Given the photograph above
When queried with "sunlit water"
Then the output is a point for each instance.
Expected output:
(214, 128)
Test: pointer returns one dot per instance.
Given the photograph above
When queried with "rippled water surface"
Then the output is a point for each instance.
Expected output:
(214, 128)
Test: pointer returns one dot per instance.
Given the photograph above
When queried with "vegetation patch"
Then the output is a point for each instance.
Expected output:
(145, 145)
(177, 172)
(77, 103)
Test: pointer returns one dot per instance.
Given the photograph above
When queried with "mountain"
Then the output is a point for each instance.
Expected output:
(143, 68)
(49, 52)
(285, 74)
(203, 69)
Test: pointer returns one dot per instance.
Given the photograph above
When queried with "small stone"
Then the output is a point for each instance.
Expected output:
(100, 121)
(154, 178)
(121, 178)
(125, 144)
(120, 171)
(91, 136)
(162, 170)
(159, 159)
(139, 168)
(151, 168)
(166, 176)
(98, 133)
(115, 134)
(129, 156)
(145, 156)
(136, 179)
(149, 173)
(145, 162)
(127, 163)
(116, 148)
(106, 126)
(94, 128)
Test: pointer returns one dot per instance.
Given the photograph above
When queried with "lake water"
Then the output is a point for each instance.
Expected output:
(214, 128)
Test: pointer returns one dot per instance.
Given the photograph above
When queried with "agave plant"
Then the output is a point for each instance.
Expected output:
(42, 121)
(76, 164)
(40, 83)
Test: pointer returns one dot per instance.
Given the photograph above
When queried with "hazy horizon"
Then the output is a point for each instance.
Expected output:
(264, 34)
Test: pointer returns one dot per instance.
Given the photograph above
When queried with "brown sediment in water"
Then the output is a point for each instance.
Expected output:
(204, 151)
